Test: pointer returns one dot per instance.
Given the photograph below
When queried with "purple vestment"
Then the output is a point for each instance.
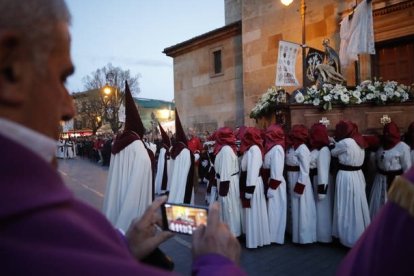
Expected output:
(44, 230)
(387, 245)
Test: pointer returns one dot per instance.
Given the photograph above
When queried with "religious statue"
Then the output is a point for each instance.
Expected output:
(331, 56)
(329, 71)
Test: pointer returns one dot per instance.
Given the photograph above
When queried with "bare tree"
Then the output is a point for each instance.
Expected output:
(89, 109)
(112, 78)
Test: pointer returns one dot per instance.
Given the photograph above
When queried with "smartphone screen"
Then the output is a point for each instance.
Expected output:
(184, 219)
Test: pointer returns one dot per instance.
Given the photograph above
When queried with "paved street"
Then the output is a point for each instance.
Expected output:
(87, 180)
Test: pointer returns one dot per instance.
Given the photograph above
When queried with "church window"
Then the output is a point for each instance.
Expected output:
(217, 62)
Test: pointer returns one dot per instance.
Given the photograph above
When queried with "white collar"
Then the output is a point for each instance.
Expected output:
(40, 144)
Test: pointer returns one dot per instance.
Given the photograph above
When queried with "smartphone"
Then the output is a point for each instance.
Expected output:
(183, 218)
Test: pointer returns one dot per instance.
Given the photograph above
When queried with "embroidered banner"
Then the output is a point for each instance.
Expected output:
(286, 64)
(313, 58)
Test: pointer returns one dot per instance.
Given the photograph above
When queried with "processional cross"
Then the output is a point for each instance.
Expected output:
(385, 119)
(325, 121)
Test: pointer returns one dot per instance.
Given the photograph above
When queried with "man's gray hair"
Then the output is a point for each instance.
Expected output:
(35, 20)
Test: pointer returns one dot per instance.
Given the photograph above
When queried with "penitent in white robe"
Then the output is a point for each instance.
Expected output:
(226, 165)
(397, 158)
(129, 185)
(70, 149)
(302, 206)
(160, 171)
(321, 160)
(351, 213)
(255, 218)
(277, 202)
(180, 166)
(60, 149)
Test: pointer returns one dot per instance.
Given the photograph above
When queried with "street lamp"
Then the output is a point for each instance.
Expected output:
(302, 16)
(111, 104)
(107, 90)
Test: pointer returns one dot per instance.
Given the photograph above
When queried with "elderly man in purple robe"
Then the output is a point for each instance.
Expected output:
(44, 229)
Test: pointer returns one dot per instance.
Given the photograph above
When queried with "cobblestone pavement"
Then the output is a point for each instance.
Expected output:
(88, 180)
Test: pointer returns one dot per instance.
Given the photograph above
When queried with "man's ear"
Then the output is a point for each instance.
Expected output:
(11, 58)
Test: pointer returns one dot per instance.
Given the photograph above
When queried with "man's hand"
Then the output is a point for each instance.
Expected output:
(215, 238)
(142, 235)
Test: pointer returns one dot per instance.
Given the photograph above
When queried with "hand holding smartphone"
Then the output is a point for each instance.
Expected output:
(183, 218)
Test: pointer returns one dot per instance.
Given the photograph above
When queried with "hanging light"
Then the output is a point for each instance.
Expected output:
(286, 2)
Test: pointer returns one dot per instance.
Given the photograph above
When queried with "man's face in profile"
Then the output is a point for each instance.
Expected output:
(47, 99)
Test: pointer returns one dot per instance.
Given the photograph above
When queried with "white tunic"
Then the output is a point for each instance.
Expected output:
(226, 165)
(277, 202)
(180, 166)
(70, 149)
(60, 149)
(321, 160)
(397, 158)
(129, 185)
(351, 213)
(255, 218)
(302, 206)
(160, 171)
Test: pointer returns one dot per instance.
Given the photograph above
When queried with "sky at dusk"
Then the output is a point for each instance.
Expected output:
(132, 34)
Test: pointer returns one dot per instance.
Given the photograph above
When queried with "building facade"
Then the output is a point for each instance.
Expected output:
(247, 49)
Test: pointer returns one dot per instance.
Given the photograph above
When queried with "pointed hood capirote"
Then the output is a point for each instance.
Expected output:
(180, 138)
(165, 138)
(133, 121)
(133, 128)
(179, 131)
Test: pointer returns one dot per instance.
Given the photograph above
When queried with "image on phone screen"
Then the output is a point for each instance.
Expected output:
(183, 219)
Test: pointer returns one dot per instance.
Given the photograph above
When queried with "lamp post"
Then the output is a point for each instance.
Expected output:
(110, 101)
(302, 16)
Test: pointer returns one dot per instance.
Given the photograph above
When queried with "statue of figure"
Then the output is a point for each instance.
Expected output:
(325, 73)
(329, 71)
(331, 56)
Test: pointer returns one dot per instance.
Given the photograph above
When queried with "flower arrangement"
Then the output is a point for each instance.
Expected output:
(383, 92)
(377, 92)
(268, 101)
(330, 94)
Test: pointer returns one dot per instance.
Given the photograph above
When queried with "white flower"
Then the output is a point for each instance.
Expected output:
(371, 87)
(345, 98)
(316, 102)
(299, 98)
(383, 97)
(327, 98)
(356, 93)
(370, 96)
(388, 90)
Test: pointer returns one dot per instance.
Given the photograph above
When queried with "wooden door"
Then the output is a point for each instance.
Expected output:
(394, 60)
